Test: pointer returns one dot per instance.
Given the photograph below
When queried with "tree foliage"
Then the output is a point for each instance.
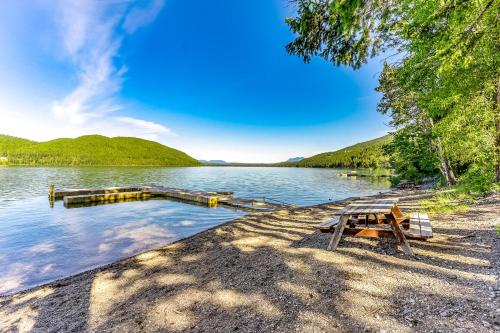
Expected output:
(441, 87)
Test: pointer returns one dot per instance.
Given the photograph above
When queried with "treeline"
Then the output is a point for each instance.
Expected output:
(91, 150)
(369, 154)
(440, 82)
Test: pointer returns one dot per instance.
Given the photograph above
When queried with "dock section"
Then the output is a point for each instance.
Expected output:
(81, 197)
(354, 175)
(60, 194)
(253, 205)
(211, 199)
(106, 197)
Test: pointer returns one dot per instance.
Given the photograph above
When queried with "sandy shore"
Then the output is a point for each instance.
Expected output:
(270, 272)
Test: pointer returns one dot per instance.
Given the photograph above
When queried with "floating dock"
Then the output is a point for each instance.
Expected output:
(249, 204)
(60, 194)
(82, 197)
(354, 175)
(211, 199)
(109, 197)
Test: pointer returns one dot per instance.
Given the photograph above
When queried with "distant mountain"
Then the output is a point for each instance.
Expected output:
(213, 162)
(366, 154)
(91, 150)
(295, 159)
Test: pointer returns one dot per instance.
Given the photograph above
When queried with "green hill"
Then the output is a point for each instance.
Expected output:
(95, 150)
(366, 154)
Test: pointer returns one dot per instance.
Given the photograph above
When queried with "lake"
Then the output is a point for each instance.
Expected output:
(39, 244)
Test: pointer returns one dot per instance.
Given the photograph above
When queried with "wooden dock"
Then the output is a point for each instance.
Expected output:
(60, 194)
(255, 205)
(211, 199)
(354, 175)
(109, 197)
(81, 197)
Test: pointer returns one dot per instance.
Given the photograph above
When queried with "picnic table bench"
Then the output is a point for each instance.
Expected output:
(420, 226)
(383, 211)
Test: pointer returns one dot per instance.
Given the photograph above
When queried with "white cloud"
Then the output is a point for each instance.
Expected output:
(88, 33)
(147, 127)
(82, 42)
(141, 16)
(91, 34)
(74, 20)
(18, 120)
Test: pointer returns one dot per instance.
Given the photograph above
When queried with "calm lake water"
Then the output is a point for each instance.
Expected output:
(39, 244)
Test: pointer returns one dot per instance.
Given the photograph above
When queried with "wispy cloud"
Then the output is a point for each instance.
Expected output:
(91, 35)
(147, 128)
(140, 16)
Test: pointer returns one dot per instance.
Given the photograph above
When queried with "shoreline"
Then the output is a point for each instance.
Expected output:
(103, 266)
(288, 266)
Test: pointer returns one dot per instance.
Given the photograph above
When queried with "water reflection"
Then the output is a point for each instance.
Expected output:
(40, 244)
(135, 236)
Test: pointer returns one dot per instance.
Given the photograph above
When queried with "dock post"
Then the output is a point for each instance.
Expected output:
(212, 202)
(52, 195)
(52, 191)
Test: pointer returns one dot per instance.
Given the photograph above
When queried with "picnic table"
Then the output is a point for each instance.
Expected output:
(386, 207)
(407, 185)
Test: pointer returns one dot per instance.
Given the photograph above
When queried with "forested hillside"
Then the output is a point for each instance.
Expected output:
(95, 150)
(368, 154)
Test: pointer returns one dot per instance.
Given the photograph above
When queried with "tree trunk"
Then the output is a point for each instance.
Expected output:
(448, 171)
(445, 166)
(444, 163)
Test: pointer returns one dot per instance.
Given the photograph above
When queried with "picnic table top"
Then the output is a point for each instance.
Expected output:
(378, 206)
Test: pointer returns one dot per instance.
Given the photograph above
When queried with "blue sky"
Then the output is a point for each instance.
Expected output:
(211, 78)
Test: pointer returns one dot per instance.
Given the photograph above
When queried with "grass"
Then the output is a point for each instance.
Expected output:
(448, 201)
(457, 198)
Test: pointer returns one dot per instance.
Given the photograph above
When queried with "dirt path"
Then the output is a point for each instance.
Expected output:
(270, 272)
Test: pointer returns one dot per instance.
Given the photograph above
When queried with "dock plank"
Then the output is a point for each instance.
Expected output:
(61, 193)
(79, 199)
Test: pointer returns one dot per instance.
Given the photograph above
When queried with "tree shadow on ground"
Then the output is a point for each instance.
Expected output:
(270, 272)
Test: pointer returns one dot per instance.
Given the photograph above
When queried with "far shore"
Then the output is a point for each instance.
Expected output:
(271, 272)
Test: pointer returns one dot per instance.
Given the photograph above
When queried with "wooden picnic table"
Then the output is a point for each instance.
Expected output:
(386, 207)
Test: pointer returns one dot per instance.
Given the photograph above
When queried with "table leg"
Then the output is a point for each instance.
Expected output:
(398, 233)
(334, 241)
